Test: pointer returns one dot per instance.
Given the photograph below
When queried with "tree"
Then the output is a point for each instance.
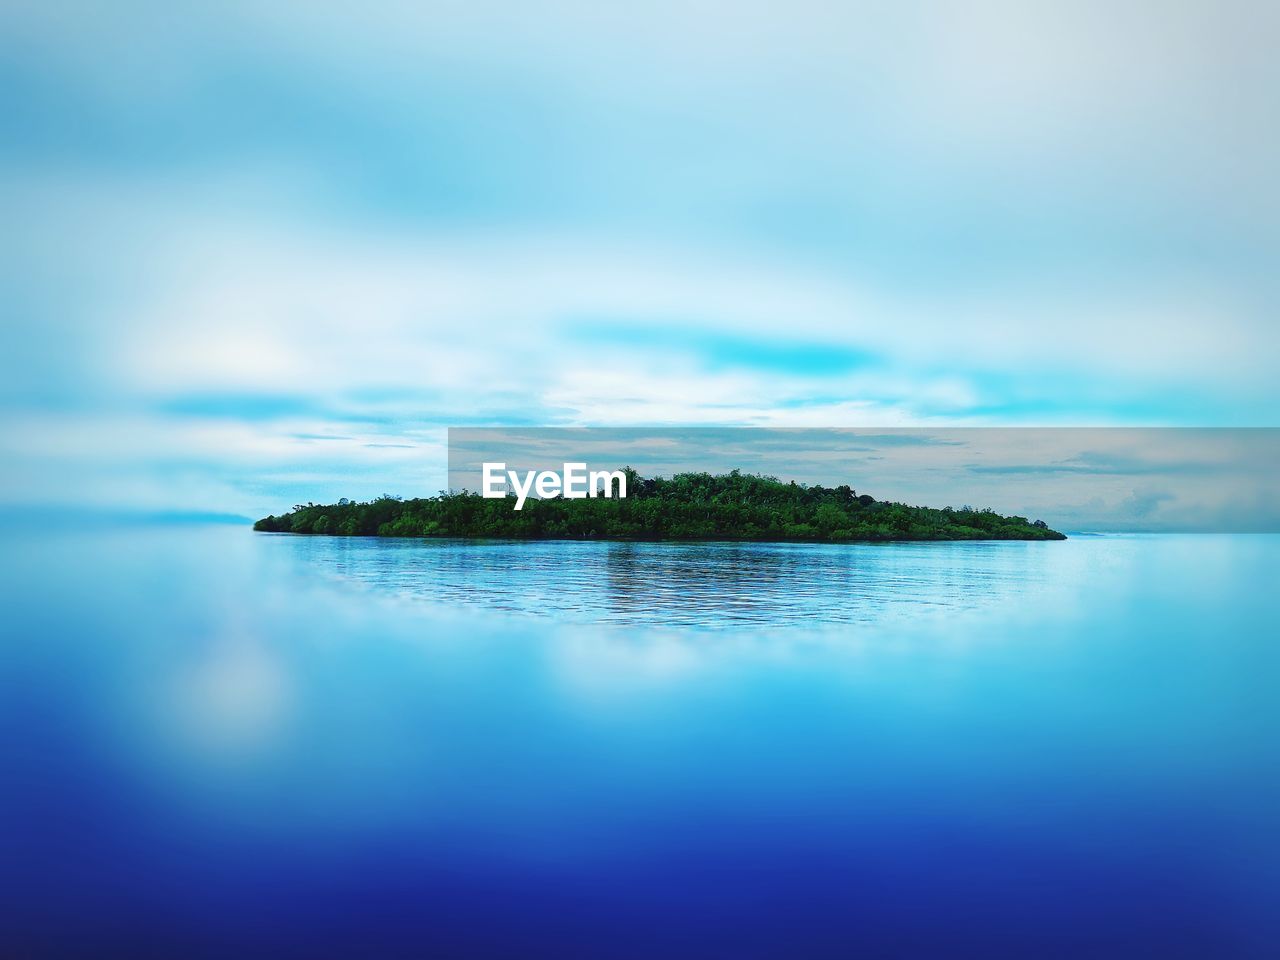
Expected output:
(688, 506)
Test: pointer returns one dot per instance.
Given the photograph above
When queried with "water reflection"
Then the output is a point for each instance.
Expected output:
(219, 744)
(687, 585)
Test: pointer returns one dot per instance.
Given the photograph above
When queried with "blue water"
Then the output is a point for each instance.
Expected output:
(697, 586)
(216, 743)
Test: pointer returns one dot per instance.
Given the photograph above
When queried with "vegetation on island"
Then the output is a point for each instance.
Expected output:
(688, 506)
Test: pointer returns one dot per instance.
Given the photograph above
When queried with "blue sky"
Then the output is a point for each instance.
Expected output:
(256, 254)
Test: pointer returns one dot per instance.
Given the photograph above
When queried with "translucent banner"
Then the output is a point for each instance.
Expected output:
(1092, 479)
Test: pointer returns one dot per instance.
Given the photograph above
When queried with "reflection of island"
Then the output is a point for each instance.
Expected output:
(689, 506)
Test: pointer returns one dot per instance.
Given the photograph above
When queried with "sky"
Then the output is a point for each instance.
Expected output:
(261, 254)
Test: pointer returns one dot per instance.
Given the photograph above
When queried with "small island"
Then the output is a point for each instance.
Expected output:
(688, 506)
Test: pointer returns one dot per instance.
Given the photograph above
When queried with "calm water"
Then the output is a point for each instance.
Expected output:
(699, 586)
(222, 744)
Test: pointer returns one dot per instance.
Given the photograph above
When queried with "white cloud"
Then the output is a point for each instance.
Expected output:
(405, 215)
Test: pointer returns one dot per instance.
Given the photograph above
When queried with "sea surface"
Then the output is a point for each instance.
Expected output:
(215, 743)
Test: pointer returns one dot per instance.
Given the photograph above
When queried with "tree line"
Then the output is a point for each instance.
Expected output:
(688, 506)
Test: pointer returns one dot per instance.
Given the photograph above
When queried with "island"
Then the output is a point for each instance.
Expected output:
(688, 506)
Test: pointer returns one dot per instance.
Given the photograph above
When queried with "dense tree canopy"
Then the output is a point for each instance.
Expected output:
(688, 506)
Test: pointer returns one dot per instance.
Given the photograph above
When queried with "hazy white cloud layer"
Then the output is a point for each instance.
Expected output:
(257, 254)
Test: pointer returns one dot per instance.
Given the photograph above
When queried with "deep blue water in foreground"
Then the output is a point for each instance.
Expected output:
(215, 743)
